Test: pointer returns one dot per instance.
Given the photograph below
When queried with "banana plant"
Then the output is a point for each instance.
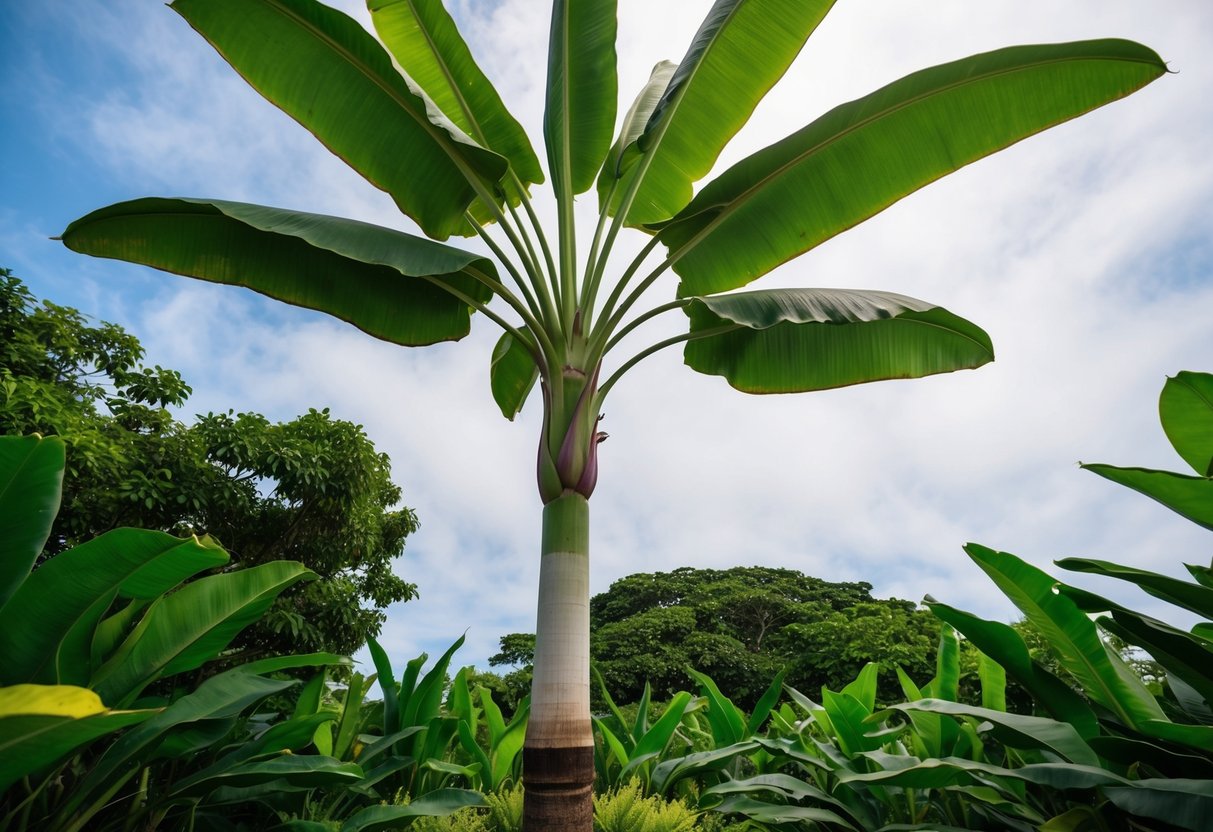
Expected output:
(492, 746)
(83, 636)
(631, 751)
(413, 113)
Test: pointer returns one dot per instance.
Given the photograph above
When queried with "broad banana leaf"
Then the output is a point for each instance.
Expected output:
(1126, 752)
(46, 630)
(849, 718)
(1180, 653)
(780, 814)
(329, 74)
(1185, 408)
(1190, 596)
(993, 679)
(658, 736)
(766, 702)
(1001, 643)
(1182, 803)
(427, 45)
(727, 720)
(434, 804)
(784, 785)
(624, 151)
(1015, 730)
(863, 156)
(741, 49)
(946, 684)
(797, 340)
(952, 771)
(219, 698)
(512, 375)
(668, 772)
(40, 724)
(375, 278)
(1191, 736)
(191, 626)
(304, 771)
(582, 92)
(1188, 496)
(387, 684)
(1102, 673)
(31, 479)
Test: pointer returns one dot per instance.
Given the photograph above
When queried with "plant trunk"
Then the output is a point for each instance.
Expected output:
(558, 758)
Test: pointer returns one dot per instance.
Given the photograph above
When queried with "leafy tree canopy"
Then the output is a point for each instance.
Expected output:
(312, 489)
(741, 626)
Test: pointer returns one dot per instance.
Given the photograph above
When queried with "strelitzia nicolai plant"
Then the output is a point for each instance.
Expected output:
(414, 114)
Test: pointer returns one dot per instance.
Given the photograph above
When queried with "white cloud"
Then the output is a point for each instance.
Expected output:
(1083, 252)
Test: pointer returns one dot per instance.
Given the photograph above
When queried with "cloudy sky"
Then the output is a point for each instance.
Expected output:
(1086, 253)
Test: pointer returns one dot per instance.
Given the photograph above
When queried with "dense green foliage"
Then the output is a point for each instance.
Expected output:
(312, 489)
(741, 625)
(438, 754)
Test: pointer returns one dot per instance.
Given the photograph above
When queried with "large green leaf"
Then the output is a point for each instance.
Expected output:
(1180, 653)
(329, 74)
(848, 716)
(776, 813)
(668, 772)
(386, 283)
(512, 374)
(766, 702)
(1016, 730)
(305, 771)
(949, 771)
(1187, 804)
(863, 156)
(582, 88)
(1185, 408)
(1001, 643)
(946, 684)
(1191, 497)
(39, 724)
(1169, 761)
(624, 151)
(218, 698)
(1190, 596)
(191, 626)
(425, 701)
(658, 736)
(46, 630)
(387, 684)
(434, 804)
(1101, 672)
(508, 745)
(423, 38)
(796, 340)
(993, 679)
(31, 479)
(741, 49)
(727, 720)
(1192, 736)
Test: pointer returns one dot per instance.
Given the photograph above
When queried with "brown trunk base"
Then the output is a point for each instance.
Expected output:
(559, 785)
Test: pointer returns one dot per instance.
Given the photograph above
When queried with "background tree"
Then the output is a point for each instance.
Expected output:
(741, 626)
(312, 489)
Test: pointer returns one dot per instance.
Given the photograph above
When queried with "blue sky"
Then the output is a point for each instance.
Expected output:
(1087, 253)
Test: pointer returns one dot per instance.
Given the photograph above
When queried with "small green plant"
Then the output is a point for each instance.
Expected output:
(502, 813)
(628, 810)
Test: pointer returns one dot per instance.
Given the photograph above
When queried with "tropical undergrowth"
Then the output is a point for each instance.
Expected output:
(109, 719)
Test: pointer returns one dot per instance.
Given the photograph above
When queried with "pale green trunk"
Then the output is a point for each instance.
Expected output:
(558, 759)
